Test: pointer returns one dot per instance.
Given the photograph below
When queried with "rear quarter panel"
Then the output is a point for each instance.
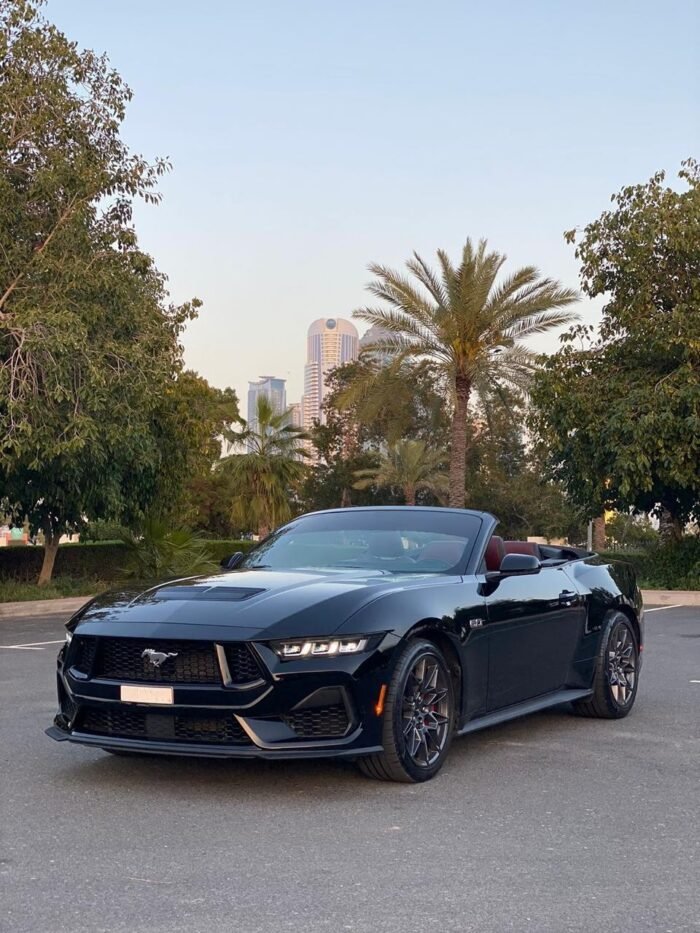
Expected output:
(605, 586)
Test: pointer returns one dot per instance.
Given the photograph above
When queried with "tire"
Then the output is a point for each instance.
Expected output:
(616, 674)
(406, 717)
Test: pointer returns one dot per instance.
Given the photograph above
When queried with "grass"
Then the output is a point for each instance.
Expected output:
(12, 591)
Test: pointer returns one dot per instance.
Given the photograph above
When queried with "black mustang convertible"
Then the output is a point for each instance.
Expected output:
(376, 634)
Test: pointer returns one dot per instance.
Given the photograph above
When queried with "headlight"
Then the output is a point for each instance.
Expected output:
(69, 637)
(325, 647)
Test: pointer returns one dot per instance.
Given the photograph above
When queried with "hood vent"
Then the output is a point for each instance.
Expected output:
(219, 594)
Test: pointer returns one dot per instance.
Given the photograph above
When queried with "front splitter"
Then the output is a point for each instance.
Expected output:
(140, 746)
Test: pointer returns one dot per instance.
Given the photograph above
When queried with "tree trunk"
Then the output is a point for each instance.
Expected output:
(599, 540)
(458, 449)
(409, 494)
(50, 551)
(670, 526)
(345, 499)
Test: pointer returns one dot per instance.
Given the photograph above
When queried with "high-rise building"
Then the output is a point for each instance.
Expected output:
(331, 342)
(274, 389)
(372, 336)
(295, 415)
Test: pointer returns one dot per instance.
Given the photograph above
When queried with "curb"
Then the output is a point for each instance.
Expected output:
(43, 607)
(671, 597)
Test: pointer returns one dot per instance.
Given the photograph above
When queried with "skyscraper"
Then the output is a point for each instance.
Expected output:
(370, 337)
(274, 389)
(295, 415)
(331, 342)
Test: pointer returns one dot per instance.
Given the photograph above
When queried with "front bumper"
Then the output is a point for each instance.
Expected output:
(320, 750)
(294, 709)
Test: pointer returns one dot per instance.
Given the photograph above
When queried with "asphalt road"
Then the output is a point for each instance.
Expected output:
(550, 824)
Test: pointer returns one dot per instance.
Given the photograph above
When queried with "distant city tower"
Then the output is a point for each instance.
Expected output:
(276, 392)
(332, 341)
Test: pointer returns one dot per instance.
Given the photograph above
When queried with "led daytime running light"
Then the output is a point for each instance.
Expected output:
(325, 647)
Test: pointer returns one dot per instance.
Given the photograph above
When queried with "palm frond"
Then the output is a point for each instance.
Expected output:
(429, 280)
(538, 323)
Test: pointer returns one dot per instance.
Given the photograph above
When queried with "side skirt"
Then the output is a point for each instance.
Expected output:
(523, 709)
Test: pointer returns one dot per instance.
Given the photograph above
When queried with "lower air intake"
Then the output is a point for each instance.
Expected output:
(321, 722)
(164, 727)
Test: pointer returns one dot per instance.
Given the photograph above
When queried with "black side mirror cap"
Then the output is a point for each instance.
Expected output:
(231, 562)
(519, 563)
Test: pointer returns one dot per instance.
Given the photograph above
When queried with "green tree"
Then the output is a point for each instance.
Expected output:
(388, 401)
(191, 425)
(88, 340)
(328, 482)
(263, 479)
(469, 325)
(408, 466)
(627, 530)
(368, 407)
(505, 477)
(619, 409)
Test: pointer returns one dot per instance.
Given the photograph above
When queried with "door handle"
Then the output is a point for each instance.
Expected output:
(568, 598)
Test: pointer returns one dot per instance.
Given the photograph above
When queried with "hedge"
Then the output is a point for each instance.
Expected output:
(670, 566)
(674, 566)
(102, 560)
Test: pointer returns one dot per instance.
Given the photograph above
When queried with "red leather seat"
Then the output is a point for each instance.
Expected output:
(523, 547)
(495, 552)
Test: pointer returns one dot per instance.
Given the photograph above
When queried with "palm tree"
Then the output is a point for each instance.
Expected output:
(469, 325)
(262, 477)
(408, 466)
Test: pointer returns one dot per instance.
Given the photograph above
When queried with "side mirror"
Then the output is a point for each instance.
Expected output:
(519, 563)
(231, 562)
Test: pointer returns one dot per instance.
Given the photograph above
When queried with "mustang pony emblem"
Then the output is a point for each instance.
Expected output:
(157, 658)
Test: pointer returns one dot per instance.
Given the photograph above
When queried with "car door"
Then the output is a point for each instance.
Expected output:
(534, 622)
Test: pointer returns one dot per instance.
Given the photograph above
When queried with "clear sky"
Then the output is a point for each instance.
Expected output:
(310, 137)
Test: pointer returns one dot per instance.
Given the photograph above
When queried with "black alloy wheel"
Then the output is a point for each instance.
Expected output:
(622, 664)
(419, 717)
(616, 672)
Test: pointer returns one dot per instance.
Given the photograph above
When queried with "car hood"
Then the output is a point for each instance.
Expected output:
(262, 602)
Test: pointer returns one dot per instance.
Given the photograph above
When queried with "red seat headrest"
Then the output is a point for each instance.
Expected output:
(495, 552)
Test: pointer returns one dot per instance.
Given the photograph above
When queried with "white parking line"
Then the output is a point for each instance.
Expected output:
(34, 645)
(659, 608)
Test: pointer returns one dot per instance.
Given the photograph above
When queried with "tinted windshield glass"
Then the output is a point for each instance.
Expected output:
(398, 541)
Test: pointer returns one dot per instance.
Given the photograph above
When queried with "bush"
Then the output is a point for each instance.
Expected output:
(103, 561)
(102, 531)
(163, 552)
(665, 566)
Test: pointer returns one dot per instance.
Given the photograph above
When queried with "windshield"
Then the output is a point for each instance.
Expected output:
(396, 540)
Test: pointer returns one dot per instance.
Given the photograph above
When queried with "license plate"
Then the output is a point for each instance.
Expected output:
(159, 696)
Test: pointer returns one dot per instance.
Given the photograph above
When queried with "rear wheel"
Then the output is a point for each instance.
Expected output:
(418, 717)
(616, 672)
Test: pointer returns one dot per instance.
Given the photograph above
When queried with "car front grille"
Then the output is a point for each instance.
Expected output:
(319, 722)
(191, 662)
(164, 727)
(188, 662)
